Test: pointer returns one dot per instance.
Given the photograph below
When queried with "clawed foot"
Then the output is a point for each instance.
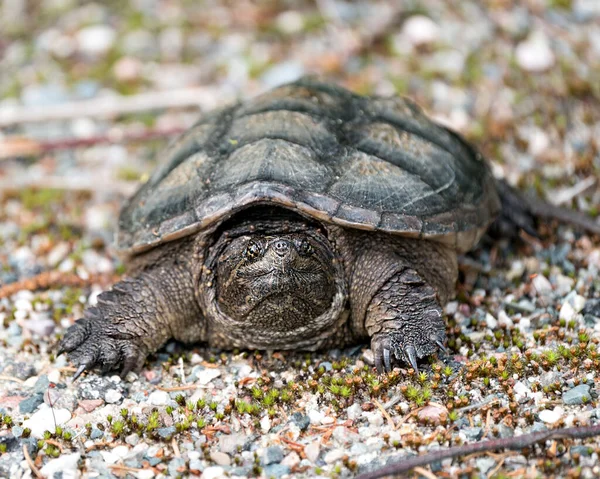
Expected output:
(395, 346)
(95, 343)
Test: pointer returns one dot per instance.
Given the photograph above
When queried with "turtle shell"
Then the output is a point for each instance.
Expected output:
(369, 163)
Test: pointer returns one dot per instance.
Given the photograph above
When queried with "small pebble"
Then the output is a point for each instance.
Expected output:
(420, 30)
(207, 375)
(220, 458)
(273, 454)
(312, 451)
(577, 395)
(550, 416)
(534, 54)
(112, 396)
(213, 472)
(159, 398)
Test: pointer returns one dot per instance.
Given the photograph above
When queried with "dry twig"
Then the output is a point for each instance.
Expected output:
(35, 470)
(55, 279)
(514, 443)
(14, 146)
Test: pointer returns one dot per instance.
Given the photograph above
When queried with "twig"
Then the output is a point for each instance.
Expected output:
(12, 147)
(73, 183)
(55, 279)
(515, 443)
(35, 470)
(203, 97)
(11, 378)
(425, 473)
(384, 412)
(186, 387)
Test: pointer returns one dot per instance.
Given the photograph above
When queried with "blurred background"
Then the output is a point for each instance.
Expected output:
(89, 92)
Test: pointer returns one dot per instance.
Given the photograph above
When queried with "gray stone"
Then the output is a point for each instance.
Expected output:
(175, 464)
(17, 431)
(166, 432)
(229, 444)
(550, 378)
(577, 395)
(505, 431)
(271, 455)
(96, 434)
(582, 450)
(301, 420)
(132, 439)
(473, 433)
(196, 465)
(484, 464)
(538, 426)
(276, 470)
(27, 406)
(41, 385)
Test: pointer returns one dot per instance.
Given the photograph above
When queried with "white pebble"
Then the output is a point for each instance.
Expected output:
(291, 460)
(207, 375)
(316, 416)
(420, 30)
(112, 396)
(375, 419)
(43, 420)
(534, 54)
(145, 474)
(265, 424)
(578, 303)
(96, 39)
(65, 466)
(567, 313)
(504, 320)
(491, 322)
(23, 305)
(312, 451)
(541, 285)
(290, 22)
(354, 411)
(158, 398)
(121, 451)
(213, 472)
(551, 416)
(334, 455)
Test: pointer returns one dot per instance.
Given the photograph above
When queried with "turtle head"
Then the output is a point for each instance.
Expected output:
(279, 281)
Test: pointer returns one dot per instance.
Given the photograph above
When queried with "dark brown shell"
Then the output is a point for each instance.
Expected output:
(367, 163)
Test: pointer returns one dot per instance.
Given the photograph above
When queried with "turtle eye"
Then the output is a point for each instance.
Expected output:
(305, 248)
(253, 250)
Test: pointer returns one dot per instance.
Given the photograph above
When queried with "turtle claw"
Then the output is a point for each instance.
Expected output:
(93, 343)
(387, 360)
(79, 372)
(412, 357)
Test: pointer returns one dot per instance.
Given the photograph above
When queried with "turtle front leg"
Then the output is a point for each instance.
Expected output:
(397, 289)
(134, 319)
(405, 321)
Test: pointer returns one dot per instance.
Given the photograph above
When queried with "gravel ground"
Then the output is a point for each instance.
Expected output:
(520, 81)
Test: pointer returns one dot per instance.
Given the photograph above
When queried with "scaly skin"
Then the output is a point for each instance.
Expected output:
(291, 292)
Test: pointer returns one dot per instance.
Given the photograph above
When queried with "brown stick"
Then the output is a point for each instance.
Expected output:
(55, 279)
(19, 146)
(35, 470)
(519, 442)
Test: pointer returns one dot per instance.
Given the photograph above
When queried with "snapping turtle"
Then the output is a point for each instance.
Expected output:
(306, 218)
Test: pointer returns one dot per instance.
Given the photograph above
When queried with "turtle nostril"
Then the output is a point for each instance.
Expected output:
(281, 247)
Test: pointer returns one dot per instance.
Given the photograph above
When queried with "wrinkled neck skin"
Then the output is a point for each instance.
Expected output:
(273, 281)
